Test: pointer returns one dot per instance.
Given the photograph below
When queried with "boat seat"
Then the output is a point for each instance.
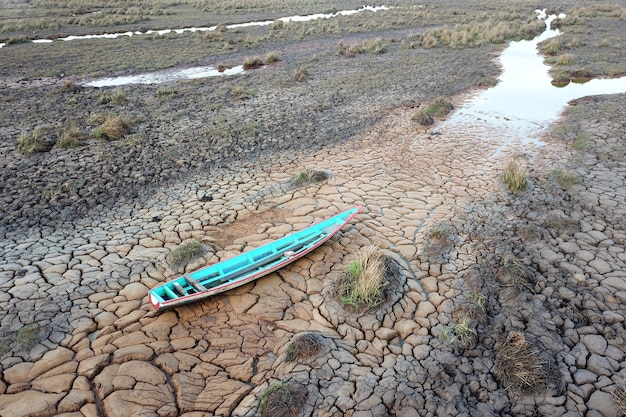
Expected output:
(195, 284)
(179, 290)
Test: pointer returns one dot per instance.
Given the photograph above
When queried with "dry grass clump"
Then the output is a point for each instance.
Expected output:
(309, 176)
(304, 346)
(372, 46)
(185, 252)
(519, 366)
(71, 136)
(253, 62)
(113, 128)
(515, 274)
(464, 331)
(36, 141)
(565, 177)
(619, 395)
(515, 176)
(366, 279)
(272, 57)
(283, 399)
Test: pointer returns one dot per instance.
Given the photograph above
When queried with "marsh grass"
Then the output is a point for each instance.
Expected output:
(36, 141)
(71, 136)
(272, 57)
(371, 46)
(515, 176)
(565, 177)
(480, 33)
(253, 62)
(304, 346)
(520, 367)
(309, 176)
(113, 127)
(283, 399)
(366, 279)
(185, 252)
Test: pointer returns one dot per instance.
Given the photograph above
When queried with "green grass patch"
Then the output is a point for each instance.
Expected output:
(309, 176)
(366, 279)
(437, 109)
(185, 252)
(515, 176)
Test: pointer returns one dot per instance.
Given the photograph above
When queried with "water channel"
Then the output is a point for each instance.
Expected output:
(524, 101)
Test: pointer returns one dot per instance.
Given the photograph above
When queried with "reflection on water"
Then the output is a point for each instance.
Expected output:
(212, 28)
(165, 76)
(524, 101)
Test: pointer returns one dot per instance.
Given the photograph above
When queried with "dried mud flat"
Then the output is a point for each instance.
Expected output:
(104, 352)
(539, 273)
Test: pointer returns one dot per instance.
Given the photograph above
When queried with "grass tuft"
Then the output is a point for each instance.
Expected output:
(71, 136)
(309, 176)
(283, 399)
(37, 141)
(113, 128)
(366, 279)
(565, 177)
(185, 252)
(439, 108)
(519, 366)
(253, 62)
(515, 176)
(619, 395)
(272, 57)
(516, 275)
(304, 346)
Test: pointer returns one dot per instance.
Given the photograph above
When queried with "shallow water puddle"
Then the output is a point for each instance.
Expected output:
(524, 102)
(165, 76)
(212, 28)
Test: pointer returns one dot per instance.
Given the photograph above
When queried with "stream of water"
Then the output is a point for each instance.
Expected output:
(524, 101)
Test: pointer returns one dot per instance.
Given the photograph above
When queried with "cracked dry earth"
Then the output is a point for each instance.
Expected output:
(102, 351)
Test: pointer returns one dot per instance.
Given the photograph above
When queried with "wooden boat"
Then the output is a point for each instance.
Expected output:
(248, 266)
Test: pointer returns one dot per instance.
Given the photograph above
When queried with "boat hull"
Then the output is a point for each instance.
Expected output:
(247, 267)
